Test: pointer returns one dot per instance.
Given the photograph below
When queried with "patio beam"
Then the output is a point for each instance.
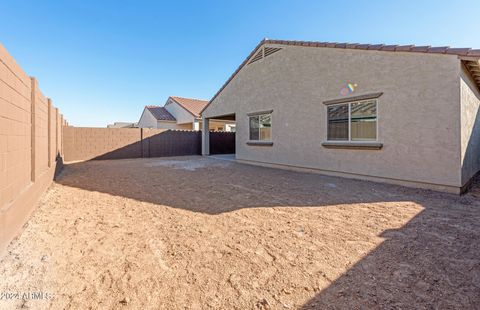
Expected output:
(205, 136)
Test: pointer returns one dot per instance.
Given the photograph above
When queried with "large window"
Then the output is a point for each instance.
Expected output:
(261, 127)
(354, 121)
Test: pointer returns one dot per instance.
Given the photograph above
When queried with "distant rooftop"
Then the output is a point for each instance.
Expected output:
(194, 106)
(160, 113)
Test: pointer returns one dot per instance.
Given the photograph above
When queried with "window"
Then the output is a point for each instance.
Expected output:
(354, 121)
(261, 127)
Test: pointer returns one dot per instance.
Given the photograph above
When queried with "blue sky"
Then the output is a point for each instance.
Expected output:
(103, 61)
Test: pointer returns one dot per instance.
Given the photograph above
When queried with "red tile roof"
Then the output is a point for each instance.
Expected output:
(465, 52)
(194, 106)
(160, 113)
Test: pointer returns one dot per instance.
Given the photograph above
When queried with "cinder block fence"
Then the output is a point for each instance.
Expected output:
(31, 146)
(82, 143)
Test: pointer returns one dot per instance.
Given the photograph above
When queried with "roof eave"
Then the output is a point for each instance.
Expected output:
(472, 64)
(233, 75)
(462, 53)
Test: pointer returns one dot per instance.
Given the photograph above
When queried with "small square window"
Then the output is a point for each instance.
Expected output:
(261, 127)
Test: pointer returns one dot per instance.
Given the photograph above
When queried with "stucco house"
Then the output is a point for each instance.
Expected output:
(406, 115)
(180, 113)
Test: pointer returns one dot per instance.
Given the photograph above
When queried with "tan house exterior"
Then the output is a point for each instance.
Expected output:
(424, 130)
(179, 113)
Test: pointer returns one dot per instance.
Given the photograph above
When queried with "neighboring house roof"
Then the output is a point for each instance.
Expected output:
(122, 125)
(471, 57)
(193, 106)
(160, 113)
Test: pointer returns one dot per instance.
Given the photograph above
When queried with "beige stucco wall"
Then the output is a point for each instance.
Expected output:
(418, 113)
(173, 125)
(147, 120)
(41, 132)
(182, 115)
(470, 129)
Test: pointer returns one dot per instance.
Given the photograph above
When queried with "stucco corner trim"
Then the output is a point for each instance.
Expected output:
(260, 143)
(260, 113)
(352, 145)
(353, 98)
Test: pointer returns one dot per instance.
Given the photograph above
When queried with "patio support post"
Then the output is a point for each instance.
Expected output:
(205, 136)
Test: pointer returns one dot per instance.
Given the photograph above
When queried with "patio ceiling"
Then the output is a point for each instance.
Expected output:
(473, 66)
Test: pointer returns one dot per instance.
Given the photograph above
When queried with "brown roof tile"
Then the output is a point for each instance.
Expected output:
(351, 45)
(160, 113)
(458, 51)
(440, 50)
(375, 47)
(389, 47)
(475, 53)
(404, 48)
(420, 49)
(362, 46)
(194, 106)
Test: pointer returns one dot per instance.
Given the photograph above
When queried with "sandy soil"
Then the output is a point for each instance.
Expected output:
(201, 233)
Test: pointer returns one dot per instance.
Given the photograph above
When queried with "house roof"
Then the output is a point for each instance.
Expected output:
(470, 57)
(160, 113)
(194, 106)
(122, 125)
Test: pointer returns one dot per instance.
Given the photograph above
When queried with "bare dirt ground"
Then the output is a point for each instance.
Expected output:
(202, 233)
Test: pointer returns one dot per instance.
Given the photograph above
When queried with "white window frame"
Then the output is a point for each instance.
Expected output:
(271, 125)
(350, 121)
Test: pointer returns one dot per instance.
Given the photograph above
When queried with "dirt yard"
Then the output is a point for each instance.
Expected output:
(203, 233)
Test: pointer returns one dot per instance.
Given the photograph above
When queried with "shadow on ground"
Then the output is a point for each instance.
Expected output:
(431, 262)
(214, 186)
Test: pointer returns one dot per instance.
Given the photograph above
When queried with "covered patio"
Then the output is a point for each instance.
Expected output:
(207, 146)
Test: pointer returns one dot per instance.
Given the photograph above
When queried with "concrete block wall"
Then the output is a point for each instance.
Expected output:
(82, 143)
(52, 131)
(29, 129)
(58, 136)
(41, 130)
(15, 119)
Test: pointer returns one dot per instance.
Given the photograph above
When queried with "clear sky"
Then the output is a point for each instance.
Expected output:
(103, 61)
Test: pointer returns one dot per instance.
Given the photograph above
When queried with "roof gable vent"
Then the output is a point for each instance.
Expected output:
(270, 50)
(264, 52)
(257, 57)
